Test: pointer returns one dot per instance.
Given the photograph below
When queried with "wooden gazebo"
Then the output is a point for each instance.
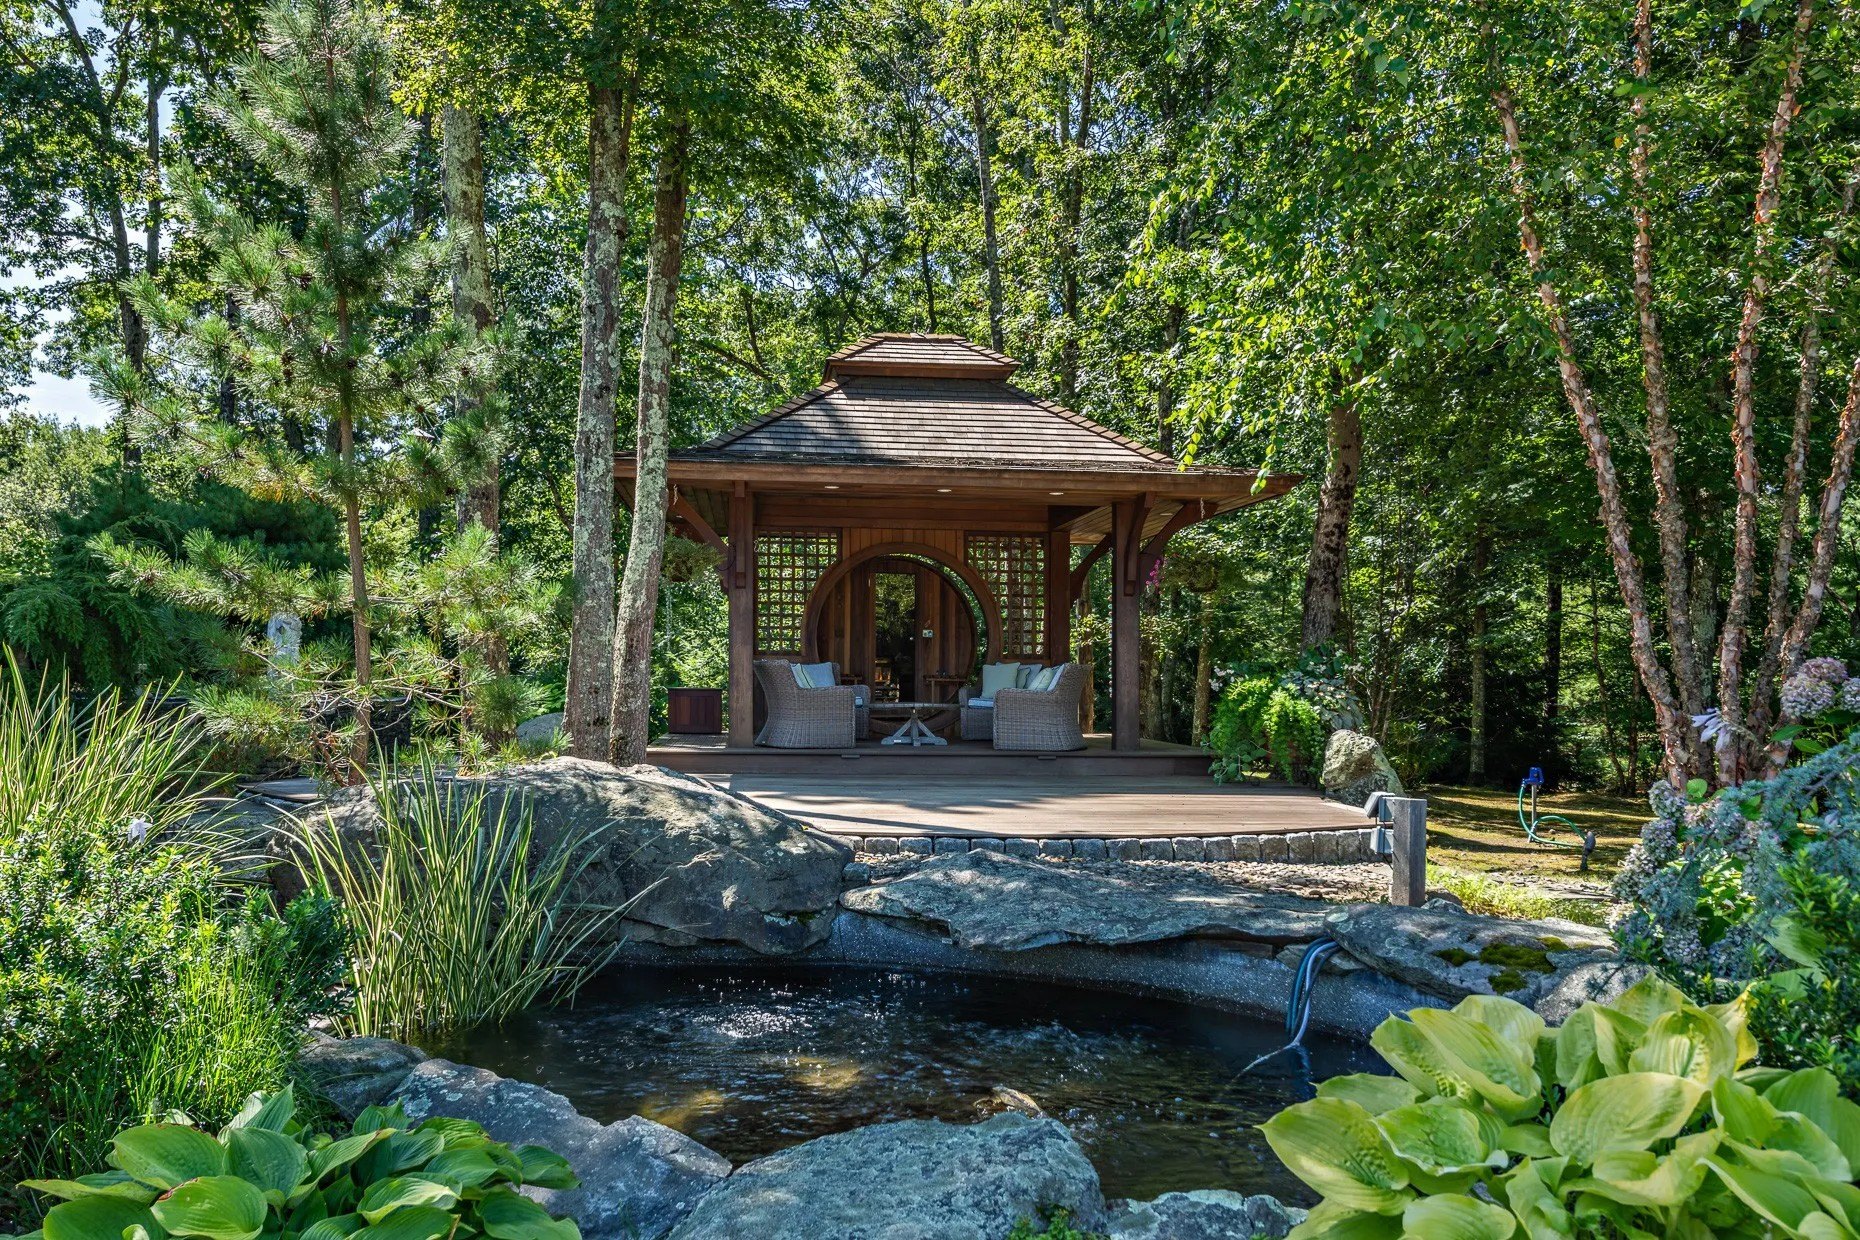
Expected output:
(917, 455)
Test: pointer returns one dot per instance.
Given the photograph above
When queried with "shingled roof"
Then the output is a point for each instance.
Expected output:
(914, 399)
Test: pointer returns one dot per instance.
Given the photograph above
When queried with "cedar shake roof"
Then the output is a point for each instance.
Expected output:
(913, 399)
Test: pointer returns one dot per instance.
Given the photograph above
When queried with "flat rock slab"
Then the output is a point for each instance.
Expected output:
(1210, 1214)
(688, 862)
(638, 1178)
(910, 1180)
(1451, 953)
(1005, 903)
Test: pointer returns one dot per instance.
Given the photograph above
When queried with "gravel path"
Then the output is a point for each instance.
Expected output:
(1340, 884)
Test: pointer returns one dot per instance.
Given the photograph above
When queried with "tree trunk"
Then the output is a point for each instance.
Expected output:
(1330, 532)
(1601, 689)
(645, 554)
(1475, 681)
(1072, 216)
(984, 163)
(462, 145)
(589, 696)
(1204, 669)
(1553, 652)
(1676, 736)
(1731, 757)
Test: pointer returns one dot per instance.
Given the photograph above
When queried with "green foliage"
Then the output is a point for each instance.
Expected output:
(135, 982)
(1055, 1224)
(1496, 897)
(1753, 887)
(460, 912)
(1638, 1117)
(1280, 721)
(267, 1174)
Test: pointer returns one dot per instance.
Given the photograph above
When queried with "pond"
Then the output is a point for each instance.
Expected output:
(752, 1060)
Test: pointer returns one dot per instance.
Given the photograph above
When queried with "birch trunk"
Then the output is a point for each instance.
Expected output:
(1743, 407)
(1676, 736)
(589, 696)
(1330, 532)
(645, 555)
(1204, 670)
(984, 164)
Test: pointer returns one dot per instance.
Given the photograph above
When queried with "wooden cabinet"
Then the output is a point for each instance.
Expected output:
(694, 712)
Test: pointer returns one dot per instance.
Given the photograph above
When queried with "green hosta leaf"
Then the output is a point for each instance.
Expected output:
(1374, 1093)
(102, 1184)
(397, 1152)
(1451, 1217)
(167, 1154)
(1813, 1092)
(1528, 1139)
(220, 1207)
(383, 1197)
(271, 1112)
(336, 1227)
(545, 1168)
(1794, 1134)
(271, 1161)
(1336, 1148)
(1819, 1226)
(1508, 1018)
(339, 1154)
(467, 1168)
(1649, 999)
(454, 1130)
(1840, 1200)
(1419, 1061)
(375, 1118)
(1687, 1043)
(1643, 1178)
(1627, 1112)
(506, 1216)
(1777, 1198)
(1501, 1072)
(1539, 1211)
(1594, 1042)
(98, 1218)
(1443, 1136)
(1735, 1016)
(1329, 1221)
(412, 1223)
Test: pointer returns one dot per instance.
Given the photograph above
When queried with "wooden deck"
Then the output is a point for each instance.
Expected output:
(1079, 807)
(870, 762)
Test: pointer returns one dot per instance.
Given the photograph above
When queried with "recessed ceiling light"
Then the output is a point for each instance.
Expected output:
(833, 486)
(1055, 492)
(943, 490)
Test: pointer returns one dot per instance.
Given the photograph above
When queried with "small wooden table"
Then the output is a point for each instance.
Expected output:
(914, 731)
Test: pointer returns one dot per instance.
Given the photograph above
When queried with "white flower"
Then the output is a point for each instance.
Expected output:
(139, 829)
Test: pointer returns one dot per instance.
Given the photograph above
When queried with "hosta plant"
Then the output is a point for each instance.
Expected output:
(267, 1175)
(1634, 1119)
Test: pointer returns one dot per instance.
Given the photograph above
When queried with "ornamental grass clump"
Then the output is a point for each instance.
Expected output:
(267, 1175)
(1639, 1117)
(459, 913)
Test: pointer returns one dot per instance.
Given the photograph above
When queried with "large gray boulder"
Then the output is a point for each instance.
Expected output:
(1005, 903)
(910, 1180)
(638, 1178)
(1210, 1214)
(1355, 766)
(1596, 981)
(356, 1073)
(1449, 952)
(689, 862)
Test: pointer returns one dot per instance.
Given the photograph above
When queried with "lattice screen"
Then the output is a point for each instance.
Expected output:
(788, 565)
(1014, 565)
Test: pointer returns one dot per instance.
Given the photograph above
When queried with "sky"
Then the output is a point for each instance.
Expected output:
(67, 400)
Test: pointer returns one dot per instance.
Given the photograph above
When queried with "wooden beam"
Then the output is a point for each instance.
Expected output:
(1408, 823)
(1058, 598)
(1182, 518)
(1130, 543)
(1082, 573)
(1126, 606)
(680, 509)
(740, 589)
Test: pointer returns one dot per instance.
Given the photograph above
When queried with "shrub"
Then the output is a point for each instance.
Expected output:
(1635, 1118)
(133, 980)
(1754, 888)
(459, 914)
(266, 1175)
(1281, 722)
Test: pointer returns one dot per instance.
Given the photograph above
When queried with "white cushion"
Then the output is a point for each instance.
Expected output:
(814, 675)
(1027, 672)
(1046, 679)
(999, 676)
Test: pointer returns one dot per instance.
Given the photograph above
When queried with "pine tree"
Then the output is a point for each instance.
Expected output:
(321, 332)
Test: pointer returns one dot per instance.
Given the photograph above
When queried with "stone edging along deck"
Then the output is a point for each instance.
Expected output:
(1340, 847)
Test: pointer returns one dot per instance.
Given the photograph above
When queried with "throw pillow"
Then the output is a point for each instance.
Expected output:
(1045, 680)
(1027, 672)
(814, 675)
(999, 676)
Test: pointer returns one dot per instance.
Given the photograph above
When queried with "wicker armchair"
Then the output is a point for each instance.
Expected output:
(1042, 719)
(978, 722)
(829, 718)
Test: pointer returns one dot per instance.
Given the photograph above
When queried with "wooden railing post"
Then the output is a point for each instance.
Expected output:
(1408, 826)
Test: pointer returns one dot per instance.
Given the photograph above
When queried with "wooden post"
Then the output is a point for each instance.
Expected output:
(1126, 597)
(742, 601)
(1408, 825)
(1058, 598)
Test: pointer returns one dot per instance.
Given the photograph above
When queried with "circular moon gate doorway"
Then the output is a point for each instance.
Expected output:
(902, 622)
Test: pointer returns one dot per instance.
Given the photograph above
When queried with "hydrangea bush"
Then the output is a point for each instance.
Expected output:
(1759, 886)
